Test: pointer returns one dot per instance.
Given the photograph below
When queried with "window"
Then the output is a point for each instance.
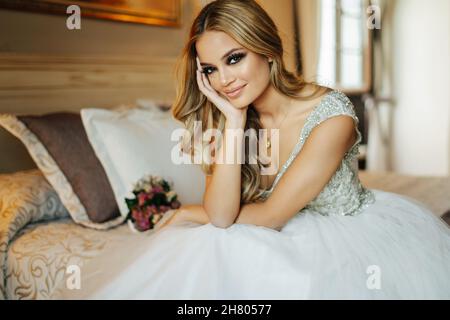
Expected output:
(344, 54)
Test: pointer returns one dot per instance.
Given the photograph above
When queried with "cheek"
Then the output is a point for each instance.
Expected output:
(258, 78)
(214, 81)
(262, 72)
(255, 74)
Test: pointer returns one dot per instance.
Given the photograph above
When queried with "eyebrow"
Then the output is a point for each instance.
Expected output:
(223, 57)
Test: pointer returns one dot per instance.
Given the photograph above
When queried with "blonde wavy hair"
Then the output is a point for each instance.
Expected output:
(249, 25)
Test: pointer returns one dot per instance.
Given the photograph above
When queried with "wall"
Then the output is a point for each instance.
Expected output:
(35, 37)
(45, 33)
(37, 33)
(308, 12)
(282, 13)
(31, 38)
(421, 131)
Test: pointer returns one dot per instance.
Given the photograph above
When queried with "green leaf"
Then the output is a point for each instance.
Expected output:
(131, 203)
(165, 186)
(157, 200)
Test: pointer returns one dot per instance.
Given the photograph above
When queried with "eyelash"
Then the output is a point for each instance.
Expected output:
(236, 56)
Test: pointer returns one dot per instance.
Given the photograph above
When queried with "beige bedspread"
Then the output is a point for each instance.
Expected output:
(38, 239)
(40, 256)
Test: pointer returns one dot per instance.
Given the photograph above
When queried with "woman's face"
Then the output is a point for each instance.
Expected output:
(229, 69)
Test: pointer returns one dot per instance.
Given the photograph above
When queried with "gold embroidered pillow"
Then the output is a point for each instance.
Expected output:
(26, 197)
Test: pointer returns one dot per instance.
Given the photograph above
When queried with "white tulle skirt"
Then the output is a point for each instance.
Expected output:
(395, 249)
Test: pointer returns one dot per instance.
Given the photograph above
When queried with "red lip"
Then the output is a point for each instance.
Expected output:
(231, 91)
(235, 93)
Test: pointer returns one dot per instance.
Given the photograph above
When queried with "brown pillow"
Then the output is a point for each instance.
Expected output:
(59, 145)
(446, 217)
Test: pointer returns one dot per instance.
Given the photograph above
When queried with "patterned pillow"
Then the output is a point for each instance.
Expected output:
(25, 197)
(58, 144)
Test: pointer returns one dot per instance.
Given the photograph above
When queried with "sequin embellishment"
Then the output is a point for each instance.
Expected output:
(344, 194)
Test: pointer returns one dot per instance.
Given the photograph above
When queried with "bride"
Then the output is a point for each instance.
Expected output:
(309, 230)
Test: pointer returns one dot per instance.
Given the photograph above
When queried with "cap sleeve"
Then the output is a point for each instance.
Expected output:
(334, 104)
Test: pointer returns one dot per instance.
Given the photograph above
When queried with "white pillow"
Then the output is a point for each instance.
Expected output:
(135, 142)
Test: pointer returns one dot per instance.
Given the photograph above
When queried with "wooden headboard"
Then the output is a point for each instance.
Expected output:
(38, 84)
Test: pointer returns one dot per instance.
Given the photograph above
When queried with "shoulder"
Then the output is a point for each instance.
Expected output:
(325, 102)
(337, 131)
(333, 104)
(332, 122)
(336, 102)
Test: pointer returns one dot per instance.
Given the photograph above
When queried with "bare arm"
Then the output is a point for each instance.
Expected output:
(312, 169)
(223, 189)
(258, 214)
(226, 178)
(304, 180)
(249, 214)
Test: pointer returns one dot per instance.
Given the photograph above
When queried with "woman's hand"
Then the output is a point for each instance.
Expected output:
(230, 112)
(191, 213)
(171, 220)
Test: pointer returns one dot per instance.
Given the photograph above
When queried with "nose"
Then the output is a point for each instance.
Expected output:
(226, 77)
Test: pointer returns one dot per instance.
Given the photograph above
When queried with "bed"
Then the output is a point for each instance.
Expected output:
(39, 240)
(40, 236)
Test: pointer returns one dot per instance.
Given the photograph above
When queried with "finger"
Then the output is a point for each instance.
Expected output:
(198, 63)
(202, 87)
(208, 86)
(199, 69)
(200, 80)
(201, 84)
(206, 83)
(207, 89)
(204, 76)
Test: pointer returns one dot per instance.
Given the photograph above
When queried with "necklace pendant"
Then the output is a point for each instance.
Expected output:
(268, 144)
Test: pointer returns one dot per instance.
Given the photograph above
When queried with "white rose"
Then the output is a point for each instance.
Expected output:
(170, 195)
(147, 187)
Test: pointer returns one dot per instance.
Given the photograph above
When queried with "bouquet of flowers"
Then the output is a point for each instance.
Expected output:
(153, 196)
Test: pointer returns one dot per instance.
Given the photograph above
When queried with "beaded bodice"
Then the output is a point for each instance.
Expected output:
(343, 194)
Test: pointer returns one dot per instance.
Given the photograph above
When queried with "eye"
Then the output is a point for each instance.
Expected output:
(235, 56)
(206, 70)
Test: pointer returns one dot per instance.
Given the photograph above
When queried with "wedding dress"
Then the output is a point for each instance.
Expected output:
(349, 242)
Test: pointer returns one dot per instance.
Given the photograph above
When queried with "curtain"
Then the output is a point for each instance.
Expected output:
(379, 107)
(308, 29)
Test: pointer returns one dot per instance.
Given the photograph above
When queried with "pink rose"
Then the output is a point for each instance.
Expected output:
(142, 197)
(148, 212)
(143, 224)
(136, 213)
(153, 209)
